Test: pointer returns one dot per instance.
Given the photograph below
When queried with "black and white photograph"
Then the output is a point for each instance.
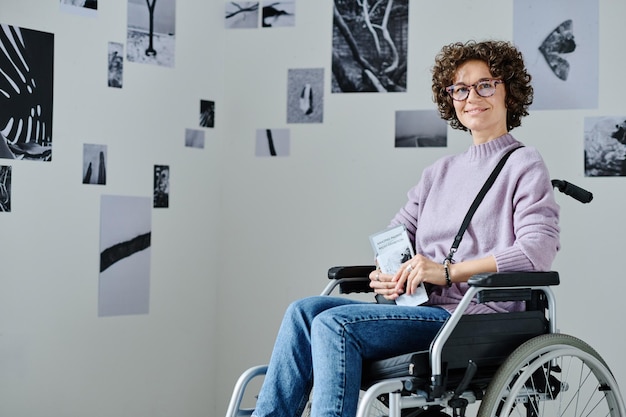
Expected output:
(276, 14)
(305, 95)
(241, 15)
(161, 193)
(86, 4)
(151, 32)
(5, 188)
(560, 41)
(207, 113)
(194, 138)
(605, 146)
(94, 164)
(116, 65)
(125, 243)
(420, 129)
(370, 46)
(87, 8)
(272, 142)
(26, 87)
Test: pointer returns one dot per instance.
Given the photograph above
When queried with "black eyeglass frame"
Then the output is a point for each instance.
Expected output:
(495, 81)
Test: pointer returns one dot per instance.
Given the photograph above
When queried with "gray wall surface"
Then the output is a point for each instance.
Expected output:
(246, 235)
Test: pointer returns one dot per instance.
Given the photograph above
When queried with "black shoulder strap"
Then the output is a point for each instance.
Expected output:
(477, 201)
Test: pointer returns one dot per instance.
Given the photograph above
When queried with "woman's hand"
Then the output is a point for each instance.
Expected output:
(418, 270)
(384, 285)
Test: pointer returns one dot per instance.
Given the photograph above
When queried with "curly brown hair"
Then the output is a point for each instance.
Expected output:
(505, 62)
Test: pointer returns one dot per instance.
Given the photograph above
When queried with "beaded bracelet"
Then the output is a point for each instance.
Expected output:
(446, 270)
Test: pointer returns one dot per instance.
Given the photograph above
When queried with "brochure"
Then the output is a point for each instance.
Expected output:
(392, 248)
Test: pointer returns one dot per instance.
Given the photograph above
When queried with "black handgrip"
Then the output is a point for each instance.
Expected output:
(572, 190)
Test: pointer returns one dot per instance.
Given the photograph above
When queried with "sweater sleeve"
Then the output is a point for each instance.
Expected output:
(535, 221)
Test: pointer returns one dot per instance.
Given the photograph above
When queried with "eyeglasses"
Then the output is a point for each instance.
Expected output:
(484, 88)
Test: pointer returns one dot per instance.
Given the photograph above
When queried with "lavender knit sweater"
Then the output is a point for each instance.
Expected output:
(517, 222)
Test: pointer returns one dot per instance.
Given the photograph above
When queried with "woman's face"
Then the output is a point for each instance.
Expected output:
(485, 117)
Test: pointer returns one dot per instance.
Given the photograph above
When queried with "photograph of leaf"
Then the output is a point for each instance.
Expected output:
(27, 67)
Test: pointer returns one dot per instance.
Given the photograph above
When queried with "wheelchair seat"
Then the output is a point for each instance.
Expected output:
(484, 339)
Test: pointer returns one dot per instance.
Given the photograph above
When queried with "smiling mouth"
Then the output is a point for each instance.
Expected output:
(475, 111)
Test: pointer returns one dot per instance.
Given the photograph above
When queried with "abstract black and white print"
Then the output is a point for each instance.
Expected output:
(241, 15)
(272, 142)
(151, 32)
(559, 40)
(558, 43)
(5, 189)
(420, 128)
(278, 14)
(194, 138)
(305, 95)
(94, 164)
(87, 4)
(125, 243)
(161, 193)
(605, 146)
(370, 46)
(207, 113)
(26, 90)
(116, 65)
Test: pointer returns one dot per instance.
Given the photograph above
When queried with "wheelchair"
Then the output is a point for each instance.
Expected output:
(509, 364)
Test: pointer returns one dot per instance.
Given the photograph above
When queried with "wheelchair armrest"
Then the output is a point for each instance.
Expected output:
(514, 279)
(359, 271)
(352, 278)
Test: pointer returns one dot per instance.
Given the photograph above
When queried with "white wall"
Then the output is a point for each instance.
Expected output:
(57, 358)
(244, 236)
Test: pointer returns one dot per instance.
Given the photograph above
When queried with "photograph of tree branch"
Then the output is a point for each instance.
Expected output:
(370, 46)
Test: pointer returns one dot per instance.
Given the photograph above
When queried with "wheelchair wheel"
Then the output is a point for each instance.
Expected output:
(550, 376)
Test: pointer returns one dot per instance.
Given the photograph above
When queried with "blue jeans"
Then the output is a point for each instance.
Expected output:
(329, 337)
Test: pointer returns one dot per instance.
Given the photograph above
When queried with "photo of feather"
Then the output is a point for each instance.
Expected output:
(305, 95)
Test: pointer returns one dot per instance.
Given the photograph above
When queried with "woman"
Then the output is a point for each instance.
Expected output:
(480, 87)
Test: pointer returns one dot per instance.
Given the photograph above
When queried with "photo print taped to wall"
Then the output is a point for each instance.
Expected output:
(272, 142)
(80, 7)
(560, 40)
(605, 146)
(305, 95)
(241, 15)
(276, 14)
(420, 129)
(94, 164)
(115, 69)
(370, 46)
(207, 113)
(125, 250)
(151, 32)
(26, 84)
(5, 188)
(161, 191)
(194, 138)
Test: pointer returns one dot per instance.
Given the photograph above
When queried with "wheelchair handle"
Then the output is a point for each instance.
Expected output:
(572, 190)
